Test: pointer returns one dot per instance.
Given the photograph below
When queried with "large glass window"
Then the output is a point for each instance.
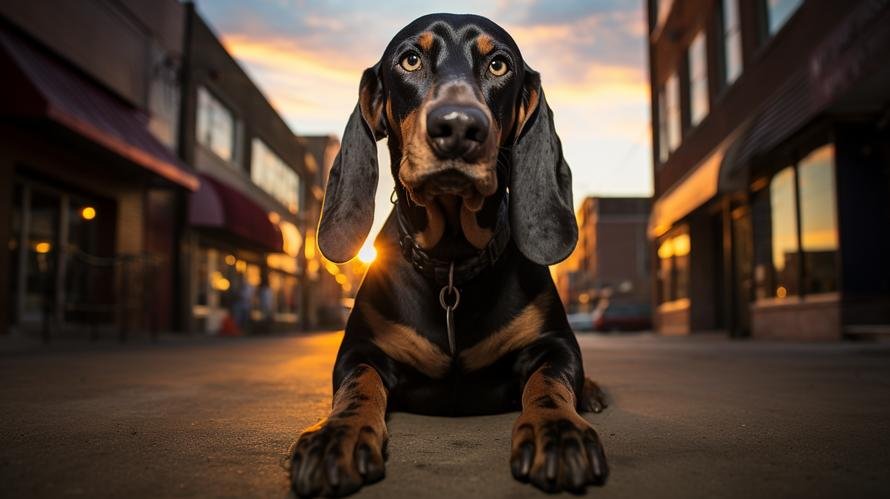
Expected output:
(778, 12)
(673, 267)
(803, 238)
(273, 175)
(818, 222)
(698, 79)
(216, 126)
(732, 41)
(784, 233)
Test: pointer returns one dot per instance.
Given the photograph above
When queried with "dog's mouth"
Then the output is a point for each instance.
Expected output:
(470, 183)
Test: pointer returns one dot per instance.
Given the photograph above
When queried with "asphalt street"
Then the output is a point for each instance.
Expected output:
(689, 417)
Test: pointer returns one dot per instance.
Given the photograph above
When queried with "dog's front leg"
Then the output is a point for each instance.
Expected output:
(553, 446)
(345, 450)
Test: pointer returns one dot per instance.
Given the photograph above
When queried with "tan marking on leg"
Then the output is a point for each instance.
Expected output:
(484, 44)
(477, 236)
(362, 394)
(519, 332)
(405, 345)
(539, 385)
(425, 40)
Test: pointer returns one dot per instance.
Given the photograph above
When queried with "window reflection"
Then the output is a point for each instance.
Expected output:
(698, 79)
(818, 222)
(732, 41)
(273, 175)
(669, 117)
(784, 233)
(778, 12)
(216, 125)
(673, 267)
(802, 261)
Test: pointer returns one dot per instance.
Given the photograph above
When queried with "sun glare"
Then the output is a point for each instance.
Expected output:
(367, 254)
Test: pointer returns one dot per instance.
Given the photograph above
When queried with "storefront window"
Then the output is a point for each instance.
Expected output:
(42, 255)
(698, 79)
(673, 267)
(732, 42)
(216, 125)
(778, 12)
(818, 222)
(803, 251)
(784, 233)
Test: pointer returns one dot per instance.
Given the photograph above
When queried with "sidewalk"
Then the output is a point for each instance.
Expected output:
(699, 417)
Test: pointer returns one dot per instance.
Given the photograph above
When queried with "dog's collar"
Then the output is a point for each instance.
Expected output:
(464, 270)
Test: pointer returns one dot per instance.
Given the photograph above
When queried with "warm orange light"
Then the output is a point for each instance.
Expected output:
(43, 247)
(666, 250)
(367, 254)
(219, 282)
(309, 246)
(88, 213)
(230, 259)
(781, 292)
(341, 278)
(332, 268)
(681, 245)
(583, 298)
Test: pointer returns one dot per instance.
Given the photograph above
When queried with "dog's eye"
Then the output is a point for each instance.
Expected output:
(498, 67)
(410, 62)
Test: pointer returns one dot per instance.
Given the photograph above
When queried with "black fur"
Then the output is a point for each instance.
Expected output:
(531, 165)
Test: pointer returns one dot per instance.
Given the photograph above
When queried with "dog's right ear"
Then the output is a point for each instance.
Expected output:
(348, 209)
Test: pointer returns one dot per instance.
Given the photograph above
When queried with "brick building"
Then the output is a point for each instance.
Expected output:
(771, 132)
(611, 258)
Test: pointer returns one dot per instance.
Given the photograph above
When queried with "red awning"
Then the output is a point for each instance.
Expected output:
(45, 87)
(216, 205)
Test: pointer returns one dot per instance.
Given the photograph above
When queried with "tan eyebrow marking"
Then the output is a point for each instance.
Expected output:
(425, 40)
(484, 43)
(523, 329)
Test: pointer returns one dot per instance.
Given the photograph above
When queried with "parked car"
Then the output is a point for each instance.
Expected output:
(581, 321)
(624, 317)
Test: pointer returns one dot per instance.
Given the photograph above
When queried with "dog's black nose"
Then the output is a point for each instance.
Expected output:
(456, 131)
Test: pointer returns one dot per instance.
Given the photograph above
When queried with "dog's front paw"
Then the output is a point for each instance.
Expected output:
(337, 457)
(557, 450)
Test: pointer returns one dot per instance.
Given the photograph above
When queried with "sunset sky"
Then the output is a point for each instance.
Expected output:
(307, 57)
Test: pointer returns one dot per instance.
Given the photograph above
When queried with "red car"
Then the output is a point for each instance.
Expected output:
(624, 317)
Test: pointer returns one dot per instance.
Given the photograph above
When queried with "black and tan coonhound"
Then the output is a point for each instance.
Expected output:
(459, 314)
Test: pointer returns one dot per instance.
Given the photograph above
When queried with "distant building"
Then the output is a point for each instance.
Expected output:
(771, 132)
(246, 224)
(611, 259)
(324, 305)
(147, 182)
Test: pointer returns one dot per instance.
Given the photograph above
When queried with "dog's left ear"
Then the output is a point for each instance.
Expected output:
(348, 208)
(541, 208)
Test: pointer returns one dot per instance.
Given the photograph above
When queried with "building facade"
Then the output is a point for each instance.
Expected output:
(771, 133)
(147, 182)
(611, 259)
(91, 183)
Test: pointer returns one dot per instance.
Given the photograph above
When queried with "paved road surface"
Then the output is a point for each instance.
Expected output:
(698, 417)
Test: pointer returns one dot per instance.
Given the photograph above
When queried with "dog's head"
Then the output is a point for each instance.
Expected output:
(466, 121)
